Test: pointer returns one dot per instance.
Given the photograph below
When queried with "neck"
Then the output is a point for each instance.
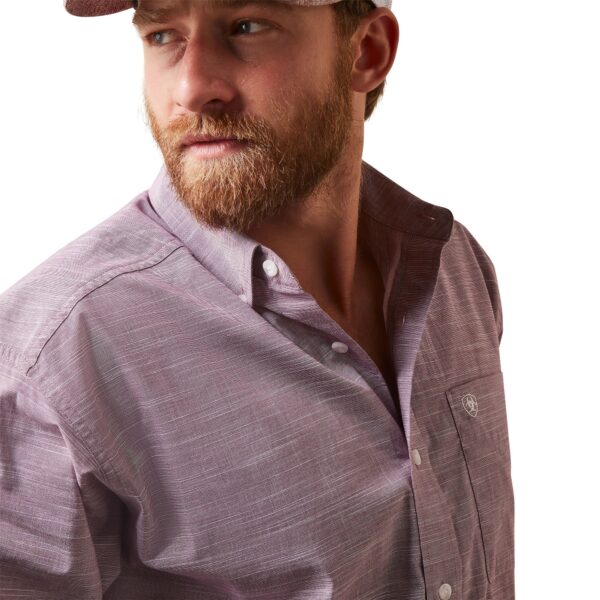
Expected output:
(320, 243)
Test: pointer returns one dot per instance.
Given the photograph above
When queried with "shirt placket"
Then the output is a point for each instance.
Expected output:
(413, 289)
(413, 283)
(274, 291)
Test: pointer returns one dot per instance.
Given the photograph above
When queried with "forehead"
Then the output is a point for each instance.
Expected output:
(157, 11)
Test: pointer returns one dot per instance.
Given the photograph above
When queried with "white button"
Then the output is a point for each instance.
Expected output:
(270, 268)
(416, 457)
(445, 591)
(339, 347)
(243, 298)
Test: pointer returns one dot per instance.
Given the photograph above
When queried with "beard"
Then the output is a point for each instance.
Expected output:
(276, 168)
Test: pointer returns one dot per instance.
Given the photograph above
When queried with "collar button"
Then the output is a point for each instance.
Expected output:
(339, 347)
(270, 268)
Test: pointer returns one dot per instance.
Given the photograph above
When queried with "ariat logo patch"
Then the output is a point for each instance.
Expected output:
(469, 403)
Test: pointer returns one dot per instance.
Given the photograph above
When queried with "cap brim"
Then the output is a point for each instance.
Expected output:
(97, 8)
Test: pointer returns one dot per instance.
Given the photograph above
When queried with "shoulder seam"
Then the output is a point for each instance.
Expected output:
(89, 286)
(65, 422)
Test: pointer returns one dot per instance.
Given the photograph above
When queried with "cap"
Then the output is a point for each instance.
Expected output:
(97, 8)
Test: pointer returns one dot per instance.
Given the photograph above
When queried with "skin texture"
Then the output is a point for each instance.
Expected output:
(277, 78)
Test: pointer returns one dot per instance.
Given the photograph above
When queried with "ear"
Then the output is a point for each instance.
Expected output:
(376, 42)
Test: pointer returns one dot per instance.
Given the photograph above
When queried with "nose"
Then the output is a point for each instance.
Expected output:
(205, 76)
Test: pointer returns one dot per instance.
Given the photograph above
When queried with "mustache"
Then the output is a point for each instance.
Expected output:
(221, 126)
(256, 131)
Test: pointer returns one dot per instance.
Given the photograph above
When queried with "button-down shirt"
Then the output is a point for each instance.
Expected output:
(181, 420)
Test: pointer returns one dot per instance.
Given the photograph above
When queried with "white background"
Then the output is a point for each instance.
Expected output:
(492, 110)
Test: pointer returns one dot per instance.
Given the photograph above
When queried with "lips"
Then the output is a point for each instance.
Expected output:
(190, 140)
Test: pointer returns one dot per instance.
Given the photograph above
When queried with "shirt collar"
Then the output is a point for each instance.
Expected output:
(393, 206)
(234, 258)
(225, 253)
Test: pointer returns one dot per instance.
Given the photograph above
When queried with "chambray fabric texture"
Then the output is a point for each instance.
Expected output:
(175, 424)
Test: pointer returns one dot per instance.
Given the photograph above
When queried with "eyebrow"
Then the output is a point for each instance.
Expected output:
(145, 16)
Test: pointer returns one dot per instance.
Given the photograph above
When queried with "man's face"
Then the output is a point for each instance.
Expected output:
(272, 76)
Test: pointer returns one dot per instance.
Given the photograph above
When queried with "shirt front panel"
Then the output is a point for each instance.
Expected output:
(246, 465)
(240, 458)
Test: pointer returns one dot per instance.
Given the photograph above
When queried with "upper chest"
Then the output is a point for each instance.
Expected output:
(367, 323)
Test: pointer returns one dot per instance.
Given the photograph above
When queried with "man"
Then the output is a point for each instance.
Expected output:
(276, 373)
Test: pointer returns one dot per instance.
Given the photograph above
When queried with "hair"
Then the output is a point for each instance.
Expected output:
(348, 15)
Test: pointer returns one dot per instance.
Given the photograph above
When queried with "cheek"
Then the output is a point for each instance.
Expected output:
(157, 98)
(267, 90)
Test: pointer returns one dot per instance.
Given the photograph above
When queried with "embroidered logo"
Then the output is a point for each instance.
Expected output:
(469, 403)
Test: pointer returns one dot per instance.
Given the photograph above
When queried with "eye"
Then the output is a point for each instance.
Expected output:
(245, 26)
(157, 38)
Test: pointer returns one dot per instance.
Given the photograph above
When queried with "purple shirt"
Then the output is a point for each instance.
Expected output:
(179, 419)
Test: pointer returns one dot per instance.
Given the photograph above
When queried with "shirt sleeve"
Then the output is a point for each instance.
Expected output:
(59, 524)
(494, 291)
(490, 277)
(499, 320)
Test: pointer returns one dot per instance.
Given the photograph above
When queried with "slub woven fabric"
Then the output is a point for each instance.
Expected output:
(175, 424)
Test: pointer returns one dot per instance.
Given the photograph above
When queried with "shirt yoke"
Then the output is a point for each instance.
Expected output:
(34, 308)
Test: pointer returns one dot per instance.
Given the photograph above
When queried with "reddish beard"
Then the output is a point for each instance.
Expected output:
(275, 169)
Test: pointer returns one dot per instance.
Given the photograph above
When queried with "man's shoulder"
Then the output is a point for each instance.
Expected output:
(465, 251)
(34, 307)
(467, 272)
